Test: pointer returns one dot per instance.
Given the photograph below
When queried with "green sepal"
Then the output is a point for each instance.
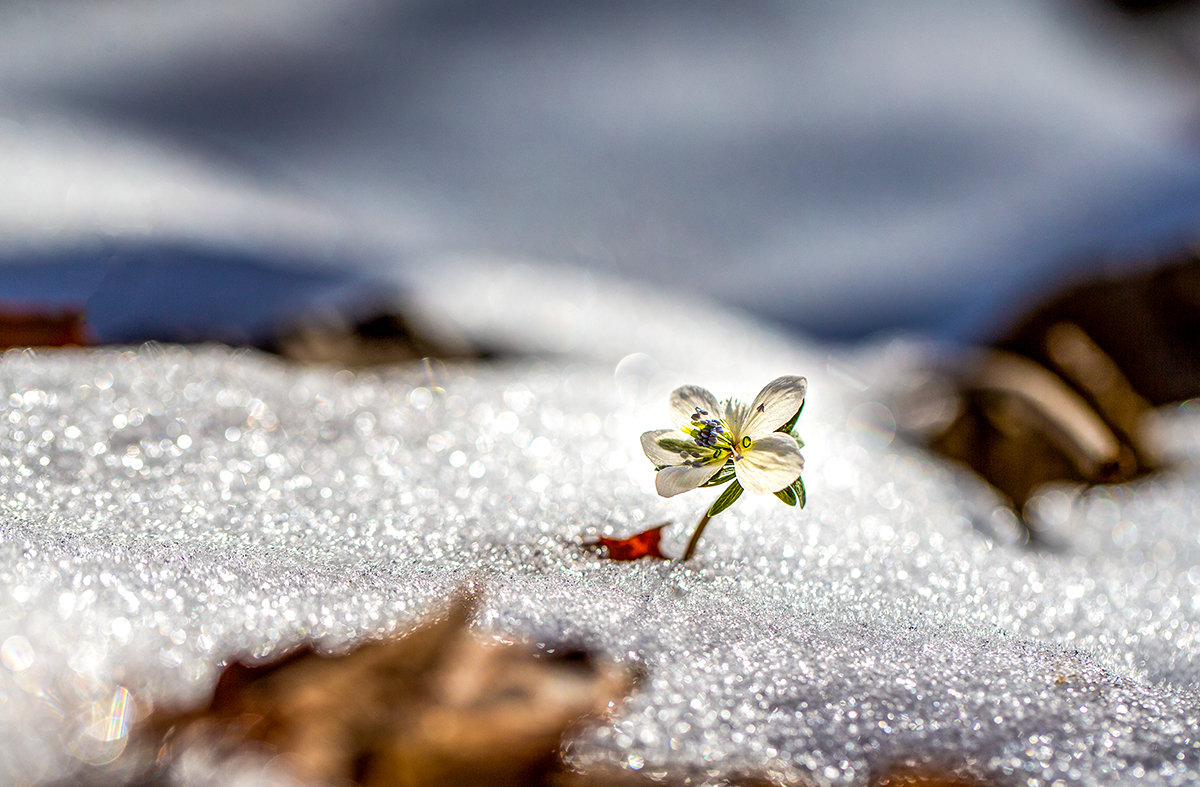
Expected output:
(727, 498)
(798, 488)
(677, 444)
(787, 495)
(790, 425)
(726, 473)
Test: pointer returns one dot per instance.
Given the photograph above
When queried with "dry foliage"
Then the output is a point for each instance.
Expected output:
(438, 706)
(1069, 394)
(639, 545)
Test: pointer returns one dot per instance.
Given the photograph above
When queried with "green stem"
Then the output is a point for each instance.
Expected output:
(691, 547)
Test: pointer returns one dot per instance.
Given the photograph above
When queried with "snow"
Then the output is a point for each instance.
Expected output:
(164, 510)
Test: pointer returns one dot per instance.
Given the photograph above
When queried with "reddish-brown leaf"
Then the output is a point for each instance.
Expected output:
(643, 544)
(26, 326)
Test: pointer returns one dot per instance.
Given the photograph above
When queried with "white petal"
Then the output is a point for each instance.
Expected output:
(774, 406)
(659, 455)
(770, 464)
(672, 481)
(735, 415)
(685, 400)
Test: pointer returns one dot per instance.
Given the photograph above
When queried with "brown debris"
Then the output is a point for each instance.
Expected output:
(1021, 426)
(1147, 323)
(437, 706)
(644, 544)
(383, 339)
(947, 773)
(1069, 394)
(21, 326)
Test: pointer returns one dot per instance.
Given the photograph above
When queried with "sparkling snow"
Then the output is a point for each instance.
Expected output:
(165, 510)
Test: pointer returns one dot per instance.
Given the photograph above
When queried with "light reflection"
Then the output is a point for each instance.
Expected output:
(872, 425)
(106, 732)
(16, 653)
(118, 716)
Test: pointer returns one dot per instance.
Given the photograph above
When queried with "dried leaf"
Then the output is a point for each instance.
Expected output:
(1146, 322)
(437, 706)
(1118, 347)
(385, 338)
(636, 547)
(1020, 426)
(22, 326)
(944, 774)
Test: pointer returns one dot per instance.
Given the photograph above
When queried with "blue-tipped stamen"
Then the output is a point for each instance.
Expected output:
(706, 431)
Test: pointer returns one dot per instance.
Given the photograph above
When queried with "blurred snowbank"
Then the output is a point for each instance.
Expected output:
(840, 168)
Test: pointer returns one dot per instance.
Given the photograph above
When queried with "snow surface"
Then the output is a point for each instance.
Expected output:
(165, 510)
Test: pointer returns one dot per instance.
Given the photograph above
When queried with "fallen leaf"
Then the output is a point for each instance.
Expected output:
(437, 706)
(636, 547)
(23, 326)
(930, 774)
(1090, 362)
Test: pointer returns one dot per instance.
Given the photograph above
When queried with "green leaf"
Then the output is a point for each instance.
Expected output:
(787, 495)
(798, 487)
(790, 425)
(723, 475)
(726, 499)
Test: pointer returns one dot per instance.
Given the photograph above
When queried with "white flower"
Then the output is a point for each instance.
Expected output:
(711, 435)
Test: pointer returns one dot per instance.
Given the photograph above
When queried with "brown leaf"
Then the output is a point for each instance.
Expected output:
(636, 547)
(23, 326)
(928, 775)
(1105, 351)
(1145, 320)
(385, 338)
(438, 706)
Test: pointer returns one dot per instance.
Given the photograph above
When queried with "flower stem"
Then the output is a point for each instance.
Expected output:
(691, 547)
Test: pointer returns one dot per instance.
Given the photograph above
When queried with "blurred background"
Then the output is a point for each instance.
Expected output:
(191, 171)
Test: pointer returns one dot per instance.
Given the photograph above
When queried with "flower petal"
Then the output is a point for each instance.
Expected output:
(770, 464)
(673, 481)
(685, 400)
(774, 406)
(656, 453)
(736, 413)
